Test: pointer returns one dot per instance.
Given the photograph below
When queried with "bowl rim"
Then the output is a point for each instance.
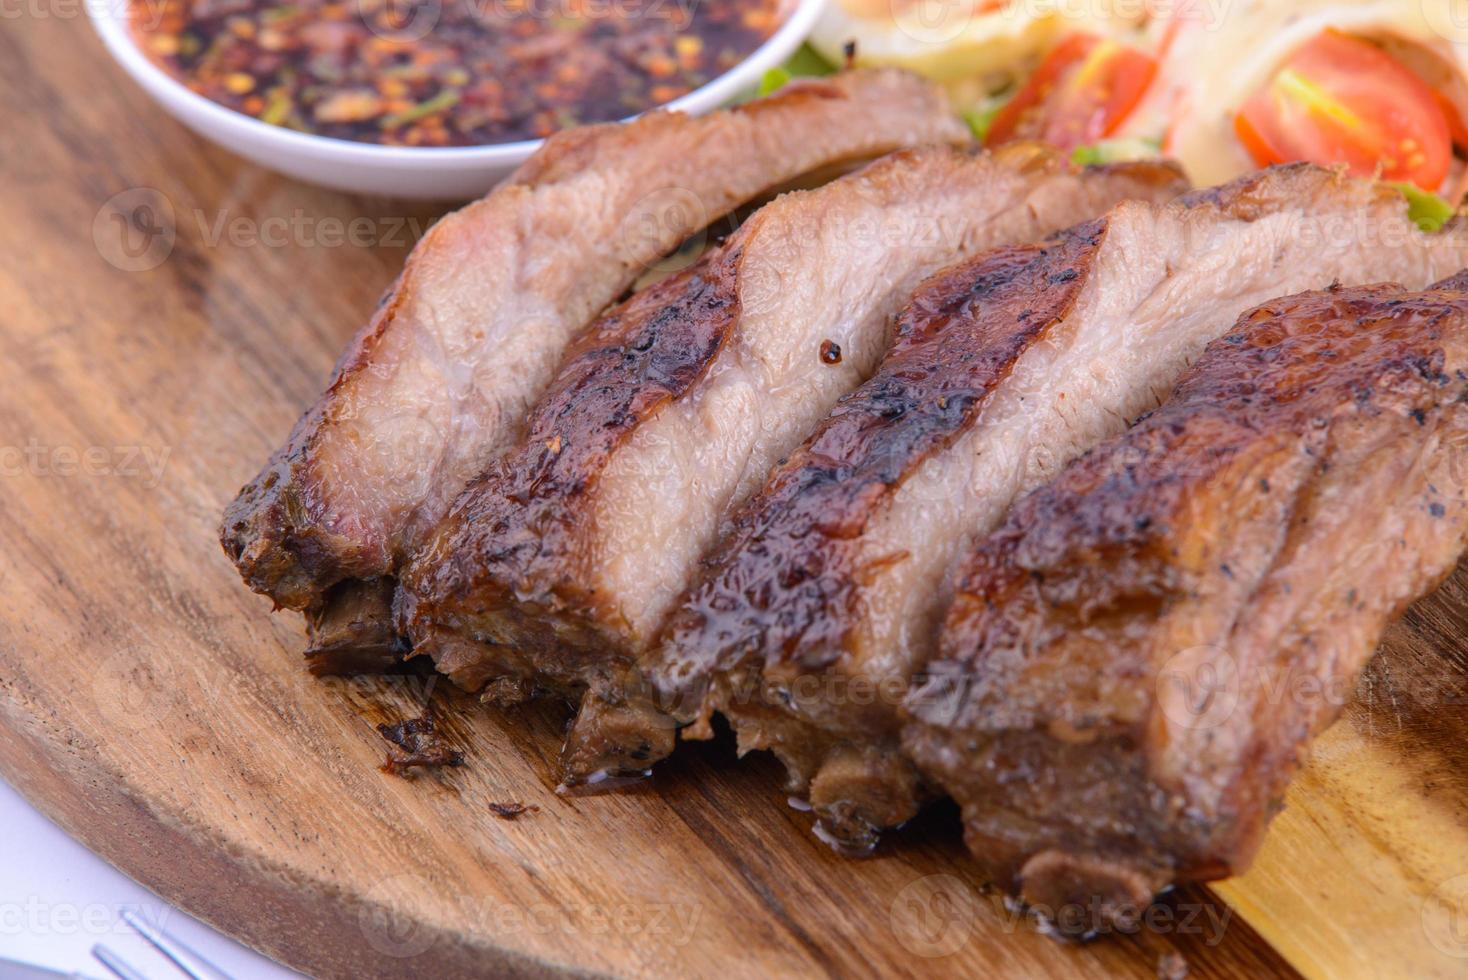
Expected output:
(110, 19)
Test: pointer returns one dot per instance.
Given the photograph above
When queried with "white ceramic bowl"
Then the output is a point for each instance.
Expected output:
(439, 173)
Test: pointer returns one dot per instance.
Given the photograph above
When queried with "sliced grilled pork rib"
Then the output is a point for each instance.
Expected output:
(557, 568)
(1136, 660)
(815, 615)
(472, 331)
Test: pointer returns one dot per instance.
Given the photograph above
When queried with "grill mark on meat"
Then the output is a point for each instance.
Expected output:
(784, 592)
(768, 593)
(556, 569)
(440, 379)
(834, 583)
(1303, 452)
(518, 519)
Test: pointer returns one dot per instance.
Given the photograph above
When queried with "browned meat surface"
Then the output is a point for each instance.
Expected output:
(417, 745)
(815, 615)
(469, 336)
(1136, 661)
(352, 631)
(558, 567)
(512, 811)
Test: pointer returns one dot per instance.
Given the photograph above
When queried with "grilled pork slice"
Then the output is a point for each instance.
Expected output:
(556, 569)
(1136, 660)
(815, 615)
(472, 331)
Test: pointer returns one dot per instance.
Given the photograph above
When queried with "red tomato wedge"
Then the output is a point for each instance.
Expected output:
(1438, 73)
(1081, 93)
(1342, 100)
(1457, 125)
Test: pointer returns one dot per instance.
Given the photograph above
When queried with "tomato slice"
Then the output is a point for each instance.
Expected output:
(1081, 93)
(1438, 73)
(1343, 100)
(1457, 125)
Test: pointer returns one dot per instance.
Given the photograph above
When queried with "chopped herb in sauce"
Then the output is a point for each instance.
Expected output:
(448, 72)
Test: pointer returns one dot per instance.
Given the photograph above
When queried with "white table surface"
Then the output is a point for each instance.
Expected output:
(57, 899)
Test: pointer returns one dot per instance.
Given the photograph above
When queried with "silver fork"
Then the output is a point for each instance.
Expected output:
(188, 962)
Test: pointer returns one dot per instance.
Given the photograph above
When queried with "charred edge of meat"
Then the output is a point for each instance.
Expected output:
(273, 531)
(617, 733)
(491, 571)
(775, 603)
(417, 745)
(1025, 717)
(778, 601)
(513, 810)
(790, 615)
(278, 554)
(602, 740)
(352, 633)
(780, 587)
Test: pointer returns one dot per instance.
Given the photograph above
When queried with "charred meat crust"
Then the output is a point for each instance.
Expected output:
(782, 592)
(351, 632)
(606, 735)
(1324, 422)
(266, 532)
(782, 586)
(274, 530)
(289, 534)
(417, 745)
(778, 623)
(513, 566)
(493, 569)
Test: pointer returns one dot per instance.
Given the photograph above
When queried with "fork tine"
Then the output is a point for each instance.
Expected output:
(181, 956)
(115, 964)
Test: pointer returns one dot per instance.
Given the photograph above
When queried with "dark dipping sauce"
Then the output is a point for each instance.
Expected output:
(448, 72)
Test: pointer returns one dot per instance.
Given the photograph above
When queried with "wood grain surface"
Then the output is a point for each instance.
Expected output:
(158, 344)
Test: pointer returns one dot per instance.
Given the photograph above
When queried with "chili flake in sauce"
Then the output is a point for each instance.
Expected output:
(448, 72)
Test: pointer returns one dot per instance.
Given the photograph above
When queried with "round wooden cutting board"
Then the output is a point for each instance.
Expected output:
(168, 312)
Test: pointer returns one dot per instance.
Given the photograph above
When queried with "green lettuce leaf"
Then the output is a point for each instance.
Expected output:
(1116, 151)
(804, 63)
(981, 118)
(1424, 207)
